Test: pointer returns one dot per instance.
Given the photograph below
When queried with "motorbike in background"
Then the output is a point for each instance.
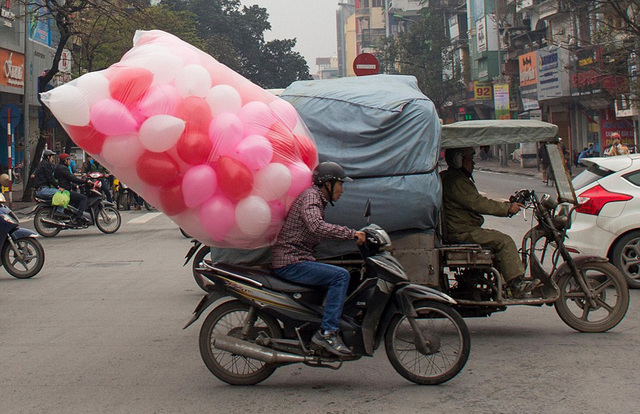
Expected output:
(49, 221)
(21, 253)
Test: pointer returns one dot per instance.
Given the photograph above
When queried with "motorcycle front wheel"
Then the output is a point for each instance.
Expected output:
(611, 298)
(45, 229)
(26, 260)
(229, 319)
(447, 340)
(108, 220)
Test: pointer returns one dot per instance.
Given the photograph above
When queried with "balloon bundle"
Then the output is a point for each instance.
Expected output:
(222, 157)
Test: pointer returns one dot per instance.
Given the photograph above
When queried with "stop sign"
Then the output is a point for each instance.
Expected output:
(365, 64)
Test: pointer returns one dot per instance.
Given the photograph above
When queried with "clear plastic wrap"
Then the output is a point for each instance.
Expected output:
(222, 157)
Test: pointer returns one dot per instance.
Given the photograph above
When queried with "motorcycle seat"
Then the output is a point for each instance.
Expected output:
(267, 278)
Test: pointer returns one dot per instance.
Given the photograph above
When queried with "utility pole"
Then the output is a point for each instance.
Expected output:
(28, 72)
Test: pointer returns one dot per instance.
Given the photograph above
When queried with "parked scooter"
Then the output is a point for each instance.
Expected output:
(48, 221)
(21, 253)
(261, 322)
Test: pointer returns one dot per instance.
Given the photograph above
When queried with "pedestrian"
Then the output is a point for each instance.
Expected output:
(617, 148)
(543, 158)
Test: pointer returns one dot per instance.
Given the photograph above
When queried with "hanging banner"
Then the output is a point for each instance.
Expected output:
(528, 81)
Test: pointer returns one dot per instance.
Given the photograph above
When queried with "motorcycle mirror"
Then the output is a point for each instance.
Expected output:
(367, 210)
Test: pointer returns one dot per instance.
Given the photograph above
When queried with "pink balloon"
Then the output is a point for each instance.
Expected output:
(300, 178)
(112, 118)
(198, 185)
(217, 216)
(256, 118)
(255, 151)
(160, 100)
(222, 75)
(225, 132)
(285, 112)
(250, 92)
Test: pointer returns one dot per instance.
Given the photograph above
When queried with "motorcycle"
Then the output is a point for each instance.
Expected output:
(261, 322)
(588, 292)
(21, 253)
(48, 221)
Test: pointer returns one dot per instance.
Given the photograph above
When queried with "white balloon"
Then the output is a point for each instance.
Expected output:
(161, 132)
(223, 98)
(272, 182)
(163, 66)
(68, 104)
(253, 216)
(94, 86)
(193, 80)
(122, 150)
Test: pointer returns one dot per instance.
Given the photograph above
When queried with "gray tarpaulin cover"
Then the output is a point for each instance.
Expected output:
(386, 135)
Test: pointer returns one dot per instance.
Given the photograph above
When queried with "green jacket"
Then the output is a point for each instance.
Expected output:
(463, 206)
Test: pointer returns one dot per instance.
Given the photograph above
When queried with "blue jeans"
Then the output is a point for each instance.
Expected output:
(321, 274)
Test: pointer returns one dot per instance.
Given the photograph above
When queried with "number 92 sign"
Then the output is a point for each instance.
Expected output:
(482, 91)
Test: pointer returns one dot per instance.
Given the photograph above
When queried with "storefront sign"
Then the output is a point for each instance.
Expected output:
(553, 77)
(622, 126)
(501, 101)
(587, 80)
(528, 81)
(482, 91)
(12, 68)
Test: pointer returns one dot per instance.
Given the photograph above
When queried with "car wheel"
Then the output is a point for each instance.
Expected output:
(626, 257)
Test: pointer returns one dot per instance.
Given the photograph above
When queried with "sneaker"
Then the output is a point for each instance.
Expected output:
(520, 287)
(331, 342)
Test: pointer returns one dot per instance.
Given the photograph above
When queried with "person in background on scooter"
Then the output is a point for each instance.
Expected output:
(463, 207)
(91, 165)
(66, 181)
(43, 181)
(292, 252)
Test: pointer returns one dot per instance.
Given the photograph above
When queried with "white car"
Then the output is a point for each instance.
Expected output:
(606, 221)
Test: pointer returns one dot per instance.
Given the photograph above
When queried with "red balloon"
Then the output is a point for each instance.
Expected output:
(195, 112)
(171, 198)
(308, 151)
(128, 85)
(87, 137)
(157, 168)
(234, 178)
(194, 147)
(284, 145)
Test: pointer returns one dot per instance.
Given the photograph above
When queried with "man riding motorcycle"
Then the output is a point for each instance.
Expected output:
(292, 252)
(65, 180)
(43, 181)
(463, 207)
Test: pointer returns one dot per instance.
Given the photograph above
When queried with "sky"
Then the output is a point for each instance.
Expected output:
(311, 22)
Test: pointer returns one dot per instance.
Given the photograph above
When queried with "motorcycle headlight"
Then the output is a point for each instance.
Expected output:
(9, 218)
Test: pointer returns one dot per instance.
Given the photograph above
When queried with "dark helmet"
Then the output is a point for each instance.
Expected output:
(48, 153)
(454, 156)
(329, 172)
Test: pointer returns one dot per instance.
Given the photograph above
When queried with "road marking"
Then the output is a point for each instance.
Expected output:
(144, 218)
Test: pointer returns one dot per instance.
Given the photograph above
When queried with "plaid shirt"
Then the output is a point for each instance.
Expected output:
(304, 228)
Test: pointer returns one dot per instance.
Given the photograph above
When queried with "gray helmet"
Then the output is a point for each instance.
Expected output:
(329, 172)
(48, 153)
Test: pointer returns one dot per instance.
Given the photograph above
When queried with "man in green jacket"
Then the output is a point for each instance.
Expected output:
(463, 208)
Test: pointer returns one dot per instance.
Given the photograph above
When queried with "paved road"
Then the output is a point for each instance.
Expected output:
(100, 330)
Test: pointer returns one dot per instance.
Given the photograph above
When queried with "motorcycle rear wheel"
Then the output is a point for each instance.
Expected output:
(448, 339)
(108, 220)
(612, 300)
(44, 229)
(228, 319)
(32, 258)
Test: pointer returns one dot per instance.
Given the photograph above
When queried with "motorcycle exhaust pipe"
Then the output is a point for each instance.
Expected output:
(53, 222)
(249, 350)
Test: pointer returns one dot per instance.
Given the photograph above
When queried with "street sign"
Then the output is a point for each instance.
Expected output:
(365, 64)
(16, 115)
(65, 63)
